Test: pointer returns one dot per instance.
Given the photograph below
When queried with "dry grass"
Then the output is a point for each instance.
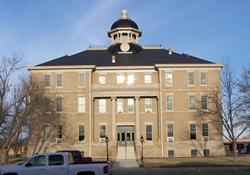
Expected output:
(243, 160)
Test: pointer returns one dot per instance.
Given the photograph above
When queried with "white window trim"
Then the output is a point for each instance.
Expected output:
(82, 124)
(62, 80)
(133, 105)
(78, 78)
(105, 79)
(166, 78)
(169, 122)
(188, 78)
(99, 106)
(49, 80)
(192, 110)
(201, 72)
(145, 126)
(201, 102)
(172, 110)
(150, 75)
(84, 109)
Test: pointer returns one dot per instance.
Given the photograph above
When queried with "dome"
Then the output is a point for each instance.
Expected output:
(124, 23)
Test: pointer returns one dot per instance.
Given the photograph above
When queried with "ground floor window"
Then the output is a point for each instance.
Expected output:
(102, 131)
(206, 152)
(81, 133)
(149, 132)
(170, 153)
(193, 153)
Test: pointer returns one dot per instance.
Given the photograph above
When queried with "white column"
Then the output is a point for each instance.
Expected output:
(137, 118)
(113, 100)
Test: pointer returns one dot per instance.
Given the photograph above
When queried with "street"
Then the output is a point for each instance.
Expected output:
(180, 171)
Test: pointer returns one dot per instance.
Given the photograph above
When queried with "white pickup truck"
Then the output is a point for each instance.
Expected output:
(55, 164)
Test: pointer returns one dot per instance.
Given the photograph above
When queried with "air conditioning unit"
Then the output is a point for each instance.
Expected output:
(205, 138)
(58, 140)
(102, 139)
(170, 139)
(148, 110)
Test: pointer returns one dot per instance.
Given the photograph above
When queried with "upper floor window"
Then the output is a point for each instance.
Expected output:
(148, 104)
(120, 79)
(169, 78)
(131, 79)
(119, 103)
(102, 105)
(191, 78)
(81, 133)
(147, 79)
(205, 129)
(203, 78)
(192, 131)
(149, 131)
(130, 105)
(102, 79)
(170, 130)
(81, 79)
(59, 107)
(59, 80)
(81, 104)
(169, 103)
(47, 79)
(204, 99)
(191, 102)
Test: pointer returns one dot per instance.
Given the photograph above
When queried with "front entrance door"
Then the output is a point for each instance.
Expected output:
(125, 135)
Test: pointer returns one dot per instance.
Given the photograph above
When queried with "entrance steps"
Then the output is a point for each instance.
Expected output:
(126, 152)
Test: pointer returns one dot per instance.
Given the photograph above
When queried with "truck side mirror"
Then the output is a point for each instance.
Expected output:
(27, 164)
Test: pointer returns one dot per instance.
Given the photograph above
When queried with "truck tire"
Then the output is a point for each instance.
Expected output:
(10, 174)
(86, 173)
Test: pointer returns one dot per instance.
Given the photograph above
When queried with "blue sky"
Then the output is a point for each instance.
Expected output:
(41, 30)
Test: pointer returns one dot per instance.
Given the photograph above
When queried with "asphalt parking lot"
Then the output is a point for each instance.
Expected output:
(181, 171)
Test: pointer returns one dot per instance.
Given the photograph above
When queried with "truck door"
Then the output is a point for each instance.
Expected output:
(34, 166)
(56, 165)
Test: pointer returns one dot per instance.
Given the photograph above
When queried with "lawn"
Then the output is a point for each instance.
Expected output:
(243, 160)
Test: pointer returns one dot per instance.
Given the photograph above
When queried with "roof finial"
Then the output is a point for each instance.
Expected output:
(124, 14)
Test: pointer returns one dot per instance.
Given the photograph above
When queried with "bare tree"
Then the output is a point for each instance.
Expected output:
(25, 109)
(225, 106)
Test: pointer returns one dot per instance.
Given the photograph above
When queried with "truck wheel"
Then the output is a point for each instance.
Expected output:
(86, 173)
(10, 174)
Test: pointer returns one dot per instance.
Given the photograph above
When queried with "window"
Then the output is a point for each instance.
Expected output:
(206, 152)
(37, 161)
(119, 105)
(205, 129)
(102, 131)
(191, 103)
(59, 104)
(81, 133)
(59, 80)
(102, 105)
(169, 78)
(170, 130)
(203, 78)
(148, 104)
(81, 104)
(131, 79)
(204, 102)
(193, 131)
(147, 79)
(55, 160)
(169, 103)
(193, 153)
(47, 80)
(81, 79)
(149, 132)
(59, 132)
(120, 79)
(130, 105)
(191, 78)
(102, 79)
(170, 153)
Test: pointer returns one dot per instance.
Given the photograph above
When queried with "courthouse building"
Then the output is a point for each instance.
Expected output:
(127, 90)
